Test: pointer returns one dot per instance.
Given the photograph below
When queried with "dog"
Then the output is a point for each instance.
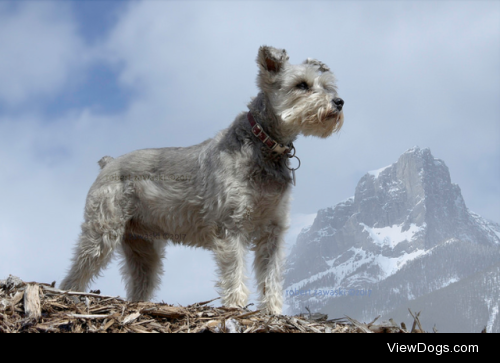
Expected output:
(229, 194)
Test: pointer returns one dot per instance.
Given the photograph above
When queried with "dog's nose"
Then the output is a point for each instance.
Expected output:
(339, 102)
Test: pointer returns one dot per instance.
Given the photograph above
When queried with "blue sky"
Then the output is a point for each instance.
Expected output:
(96, 85)
(84, 79)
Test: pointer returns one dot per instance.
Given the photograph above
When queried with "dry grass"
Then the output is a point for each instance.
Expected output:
(41, 308)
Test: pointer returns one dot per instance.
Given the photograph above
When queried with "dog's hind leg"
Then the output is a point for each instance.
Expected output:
(142, 266)
(107, 211)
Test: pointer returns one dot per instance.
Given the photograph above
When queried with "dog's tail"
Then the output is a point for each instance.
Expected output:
(104, 161)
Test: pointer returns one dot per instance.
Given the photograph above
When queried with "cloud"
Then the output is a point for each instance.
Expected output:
(41, 51)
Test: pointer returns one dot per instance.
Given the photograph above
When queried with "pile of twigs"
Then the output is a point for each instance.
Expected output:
(41, 308)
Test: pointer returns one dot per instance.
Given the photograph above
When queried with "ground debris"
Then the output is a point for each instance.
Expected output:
(30, 307)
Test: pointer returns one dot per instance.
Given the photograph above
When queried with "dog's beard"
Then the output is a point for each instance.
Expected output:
(314, 116)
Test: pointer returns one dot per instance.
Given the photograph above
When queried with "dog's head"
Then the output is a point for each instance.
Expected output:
(303, 96)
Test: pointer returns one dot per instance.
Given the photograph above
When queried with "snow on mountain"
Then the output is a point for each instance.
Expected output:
(405, 234)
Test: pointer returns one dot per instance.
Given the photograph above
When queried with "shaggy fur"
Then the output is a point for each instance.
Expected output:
(227, 194)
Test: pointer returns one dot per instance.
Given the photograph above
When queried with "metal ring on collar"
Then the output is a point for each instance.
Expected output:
(297, 166)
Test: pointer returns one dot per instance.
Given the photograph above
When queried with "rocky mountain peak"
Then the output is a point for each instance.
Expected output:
(400, 218)
(417, 189)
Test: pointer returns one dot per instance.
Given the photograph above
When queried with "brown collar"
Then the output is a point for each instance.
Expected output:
(259, 132)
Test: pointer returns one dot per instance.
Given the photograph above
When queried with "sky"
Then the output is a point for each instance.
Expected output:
(83, 79)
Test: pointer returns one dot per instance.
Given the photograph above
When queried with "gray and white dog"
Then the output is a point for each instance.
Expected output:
(227, 194)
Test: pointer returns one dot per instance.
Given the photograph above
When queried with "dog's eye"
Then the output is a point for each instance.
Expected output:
(303, 86)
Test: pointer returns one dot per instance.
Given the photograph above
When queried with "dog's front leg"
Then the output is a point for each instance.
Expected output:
(230, 255)
(268, 266)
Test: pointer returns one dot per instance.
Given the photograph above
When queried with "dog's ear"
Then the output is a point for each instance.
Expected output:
(271, 59)
(322, 66)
